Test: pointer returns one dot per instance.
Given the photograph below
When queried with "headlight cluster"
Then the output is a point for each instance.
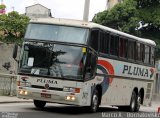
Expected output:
(70, 89)
(24, 84)
(71, 98)
(23, 92)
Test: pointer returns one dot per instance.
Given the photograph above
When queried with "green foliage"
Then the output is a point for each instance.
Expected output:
(127, 15)
(2, 6)
(12, 27)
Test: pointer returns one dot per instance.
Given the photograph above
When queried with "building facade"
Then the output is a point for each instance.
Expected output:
(111, 3)
(38, 11)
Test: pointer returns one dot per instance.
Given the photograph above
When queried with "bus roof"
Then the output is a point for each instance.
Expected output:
(78, 23)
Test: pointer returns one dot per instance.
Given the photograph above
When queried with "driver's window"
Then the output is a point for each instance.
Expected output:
(91, 65)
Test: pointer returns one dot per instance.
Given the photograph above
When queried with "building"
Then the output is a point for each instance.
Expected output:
(2, 8)
(38, 11)
(111, 3)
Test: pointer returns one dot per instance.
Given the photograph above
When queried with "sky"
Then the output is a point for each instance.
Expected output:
(70, 9)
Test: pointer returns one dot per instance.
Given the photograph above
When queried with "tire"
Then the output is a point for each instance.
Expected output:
(94, 102)
(138, 103)
(133, 104)
(39, 104)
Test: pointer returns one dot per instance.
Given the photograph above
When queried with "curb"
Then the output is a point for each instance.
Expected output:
(8, 102)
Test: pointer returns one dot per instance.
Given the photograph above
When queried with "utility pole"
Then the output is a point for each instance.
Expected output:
(107, 2)
(12, 8)
(86, 10)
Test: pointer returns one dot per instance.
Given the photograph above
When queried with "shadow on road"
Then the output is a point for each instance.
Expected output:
(72, 110)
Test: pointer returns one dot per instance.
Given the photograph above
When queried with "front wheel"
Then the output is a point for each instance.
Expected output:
(39, 104)
(94, 102)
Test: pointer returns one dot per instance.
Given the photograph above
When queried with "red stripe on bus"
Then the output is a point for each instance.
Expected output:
(108, 67)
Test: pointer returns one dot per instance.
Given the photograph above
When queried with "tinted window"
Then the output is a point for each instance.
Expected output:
(94, 39)
(152, 55)
(104, 42)
(123, 47)
(131, 49)
(56, 33)
(147, 54)
(114, 45)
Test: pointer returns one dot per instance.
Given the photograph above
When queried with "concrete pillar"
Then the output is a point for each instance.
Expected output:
(86, 10)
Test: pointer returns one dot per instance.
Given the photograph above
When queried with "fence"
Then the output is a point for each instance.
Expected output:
(8, 84)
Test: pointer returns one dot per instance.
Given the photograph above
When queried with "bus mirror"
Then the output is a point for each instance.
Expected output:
(15, 50)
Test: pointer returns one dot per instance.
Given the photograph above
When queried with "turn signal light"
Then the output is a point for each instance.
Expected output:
(18, 83)
(77, 90)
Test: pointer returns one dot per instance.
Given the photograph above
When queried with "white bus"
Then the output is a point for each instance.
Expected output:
(84, 64)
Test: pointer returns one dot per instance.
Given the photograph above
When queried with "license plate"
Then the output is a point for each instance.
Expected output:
(44, 95)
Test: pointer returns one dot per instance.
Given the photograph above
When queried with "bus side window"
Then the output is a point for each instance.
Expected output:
(147, 55)
(114, 45)
(131, 49)
(152, 56)
(104, 42)
(123, 48)
(94, 39)
(91, 65)
(140, 53)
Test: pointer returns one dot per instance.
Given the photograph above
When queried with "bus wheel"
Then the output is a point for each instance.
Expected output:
(133, 102)
(138, 103)
(39, 104)
(94, 102)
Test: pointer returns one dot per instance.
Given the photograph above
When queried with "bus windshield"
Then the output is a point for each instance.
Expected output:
(52, 60)
(57, 33)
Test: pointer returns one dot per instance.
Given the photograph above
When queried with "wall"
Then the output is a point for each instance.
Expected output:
(6, 59)
(37, 11)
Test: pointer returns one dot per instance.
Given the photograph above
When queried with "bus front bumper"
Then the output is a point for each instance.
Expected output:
(50, 96)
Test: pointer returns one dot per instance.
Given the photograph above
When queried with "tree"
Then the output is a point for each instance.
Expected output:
(2, 6)
(12, 26)
(129, 15)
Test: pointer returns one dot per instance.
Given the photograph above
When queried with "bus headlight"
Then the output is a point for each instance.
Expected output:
(70, 89)
(23, 92)
(70, 98)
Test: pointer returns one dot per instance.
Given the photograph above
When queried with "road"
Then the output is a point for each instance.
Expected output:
(27, 110)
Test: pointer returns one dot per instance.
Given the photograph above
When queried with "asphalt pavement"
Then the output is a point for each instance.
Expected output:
(13, 99)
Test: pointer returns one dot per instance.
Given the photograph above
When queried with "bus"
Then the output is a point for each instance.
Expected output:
(84, 64)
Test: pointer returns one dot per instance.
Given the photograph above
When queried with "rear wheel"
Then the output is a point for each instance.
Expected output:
(138, 103)
(39, 104)
(133, 104)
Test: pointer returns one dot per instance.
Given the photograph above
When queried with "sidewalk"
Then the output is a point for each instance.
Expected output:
(14, 99)
(153, 108)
